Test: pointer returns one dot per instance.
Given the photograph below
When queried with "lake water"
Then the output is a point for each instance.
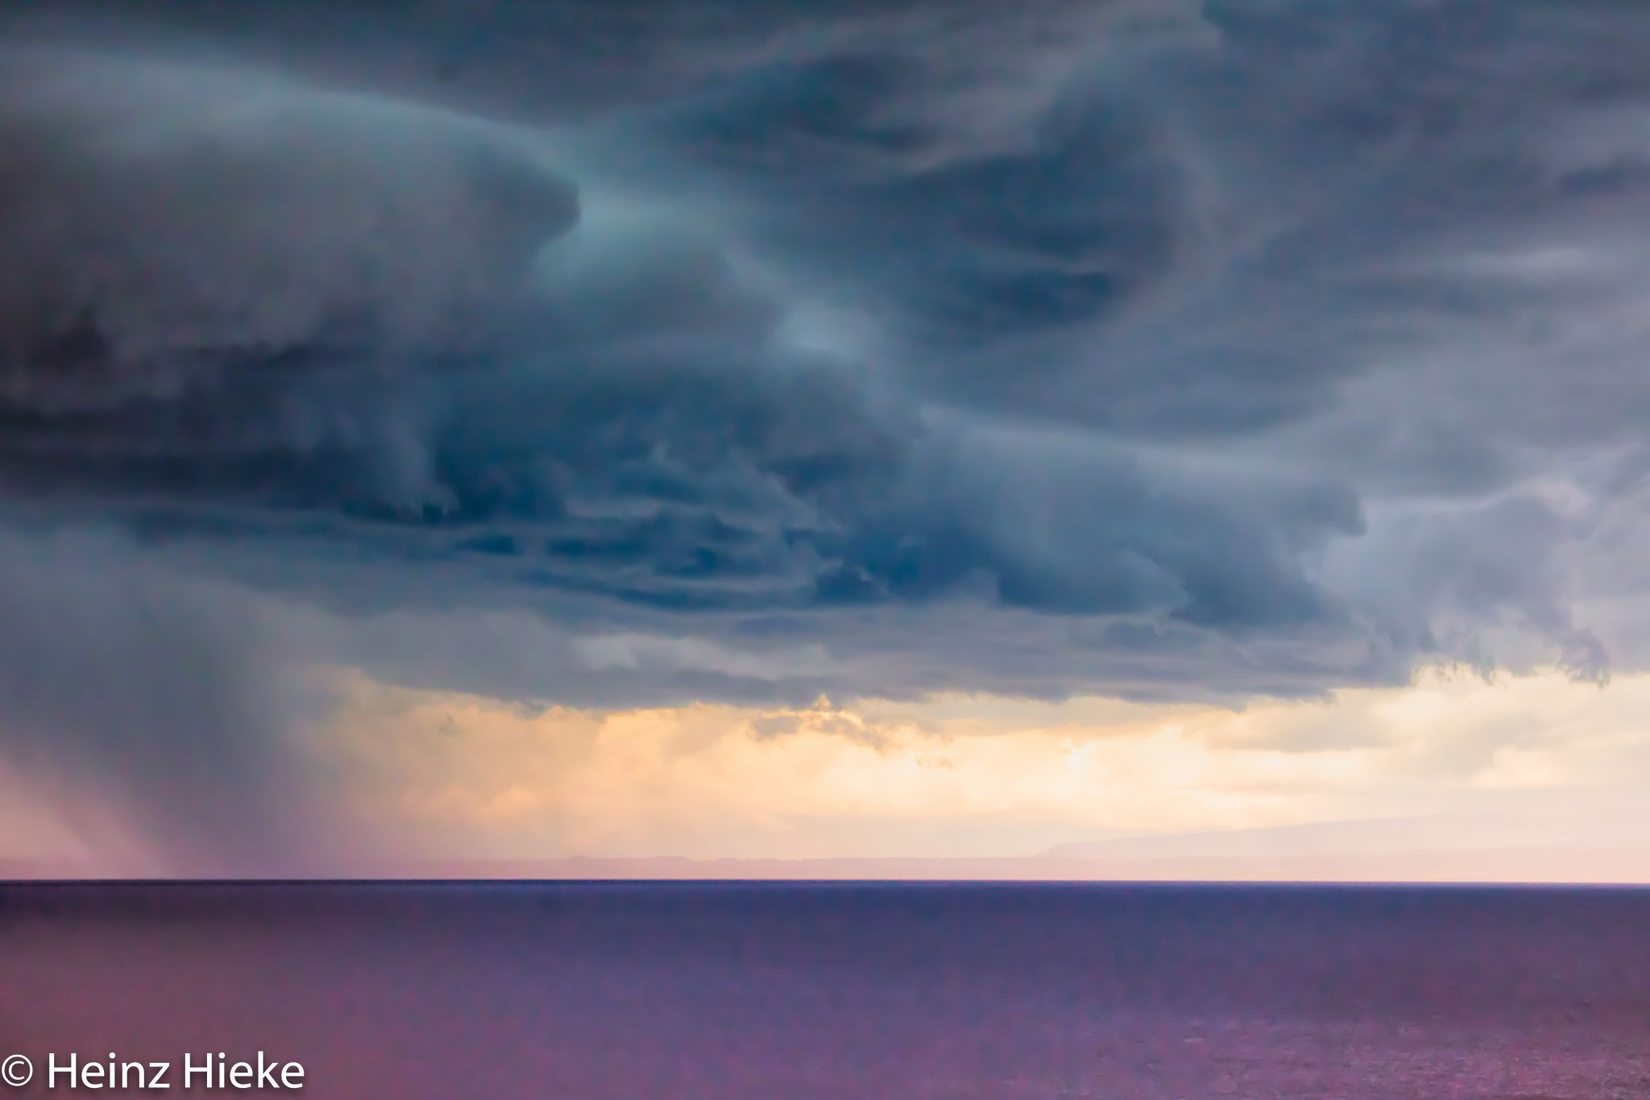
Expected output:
(747, 991)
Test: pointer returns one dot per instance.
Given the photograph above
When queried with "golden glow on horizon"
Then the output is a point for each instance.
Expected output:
(1535, 777)
(955, 777)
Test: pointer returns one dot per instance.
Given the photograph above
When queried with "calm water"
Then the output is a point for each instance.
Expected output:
(844, 991)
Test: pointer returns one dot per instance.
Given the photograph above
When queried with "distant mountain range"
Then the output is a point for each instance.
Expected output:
(1416, 849)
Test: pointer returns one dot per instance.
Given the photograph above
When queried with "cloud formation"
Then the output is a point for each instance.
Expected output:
(1153, 350)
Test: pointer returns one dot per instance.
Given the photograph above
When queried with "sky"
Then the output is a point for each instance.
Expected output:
(1134, 439)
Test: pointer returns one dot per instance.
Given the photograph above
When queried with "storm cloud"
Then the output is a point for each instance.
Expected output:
(645, 355)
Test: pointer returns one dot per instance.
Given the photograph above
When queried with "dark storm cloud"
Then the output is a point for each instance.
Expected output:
(745, 351)
(257, 336)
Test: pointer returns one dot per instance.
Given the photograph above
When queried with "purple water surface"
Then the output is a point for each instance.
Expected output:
(745, 991)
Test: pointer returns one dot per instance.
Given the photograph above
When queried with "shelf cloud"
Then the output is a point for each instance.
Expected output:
(1163, 351)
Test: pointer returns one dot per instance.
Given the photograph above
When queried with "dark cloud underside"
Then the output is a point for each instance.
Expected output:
(1150, 349)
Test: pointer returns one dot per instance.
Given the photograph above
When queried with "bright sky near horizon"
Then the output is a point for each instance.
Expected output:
(1527, 778)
